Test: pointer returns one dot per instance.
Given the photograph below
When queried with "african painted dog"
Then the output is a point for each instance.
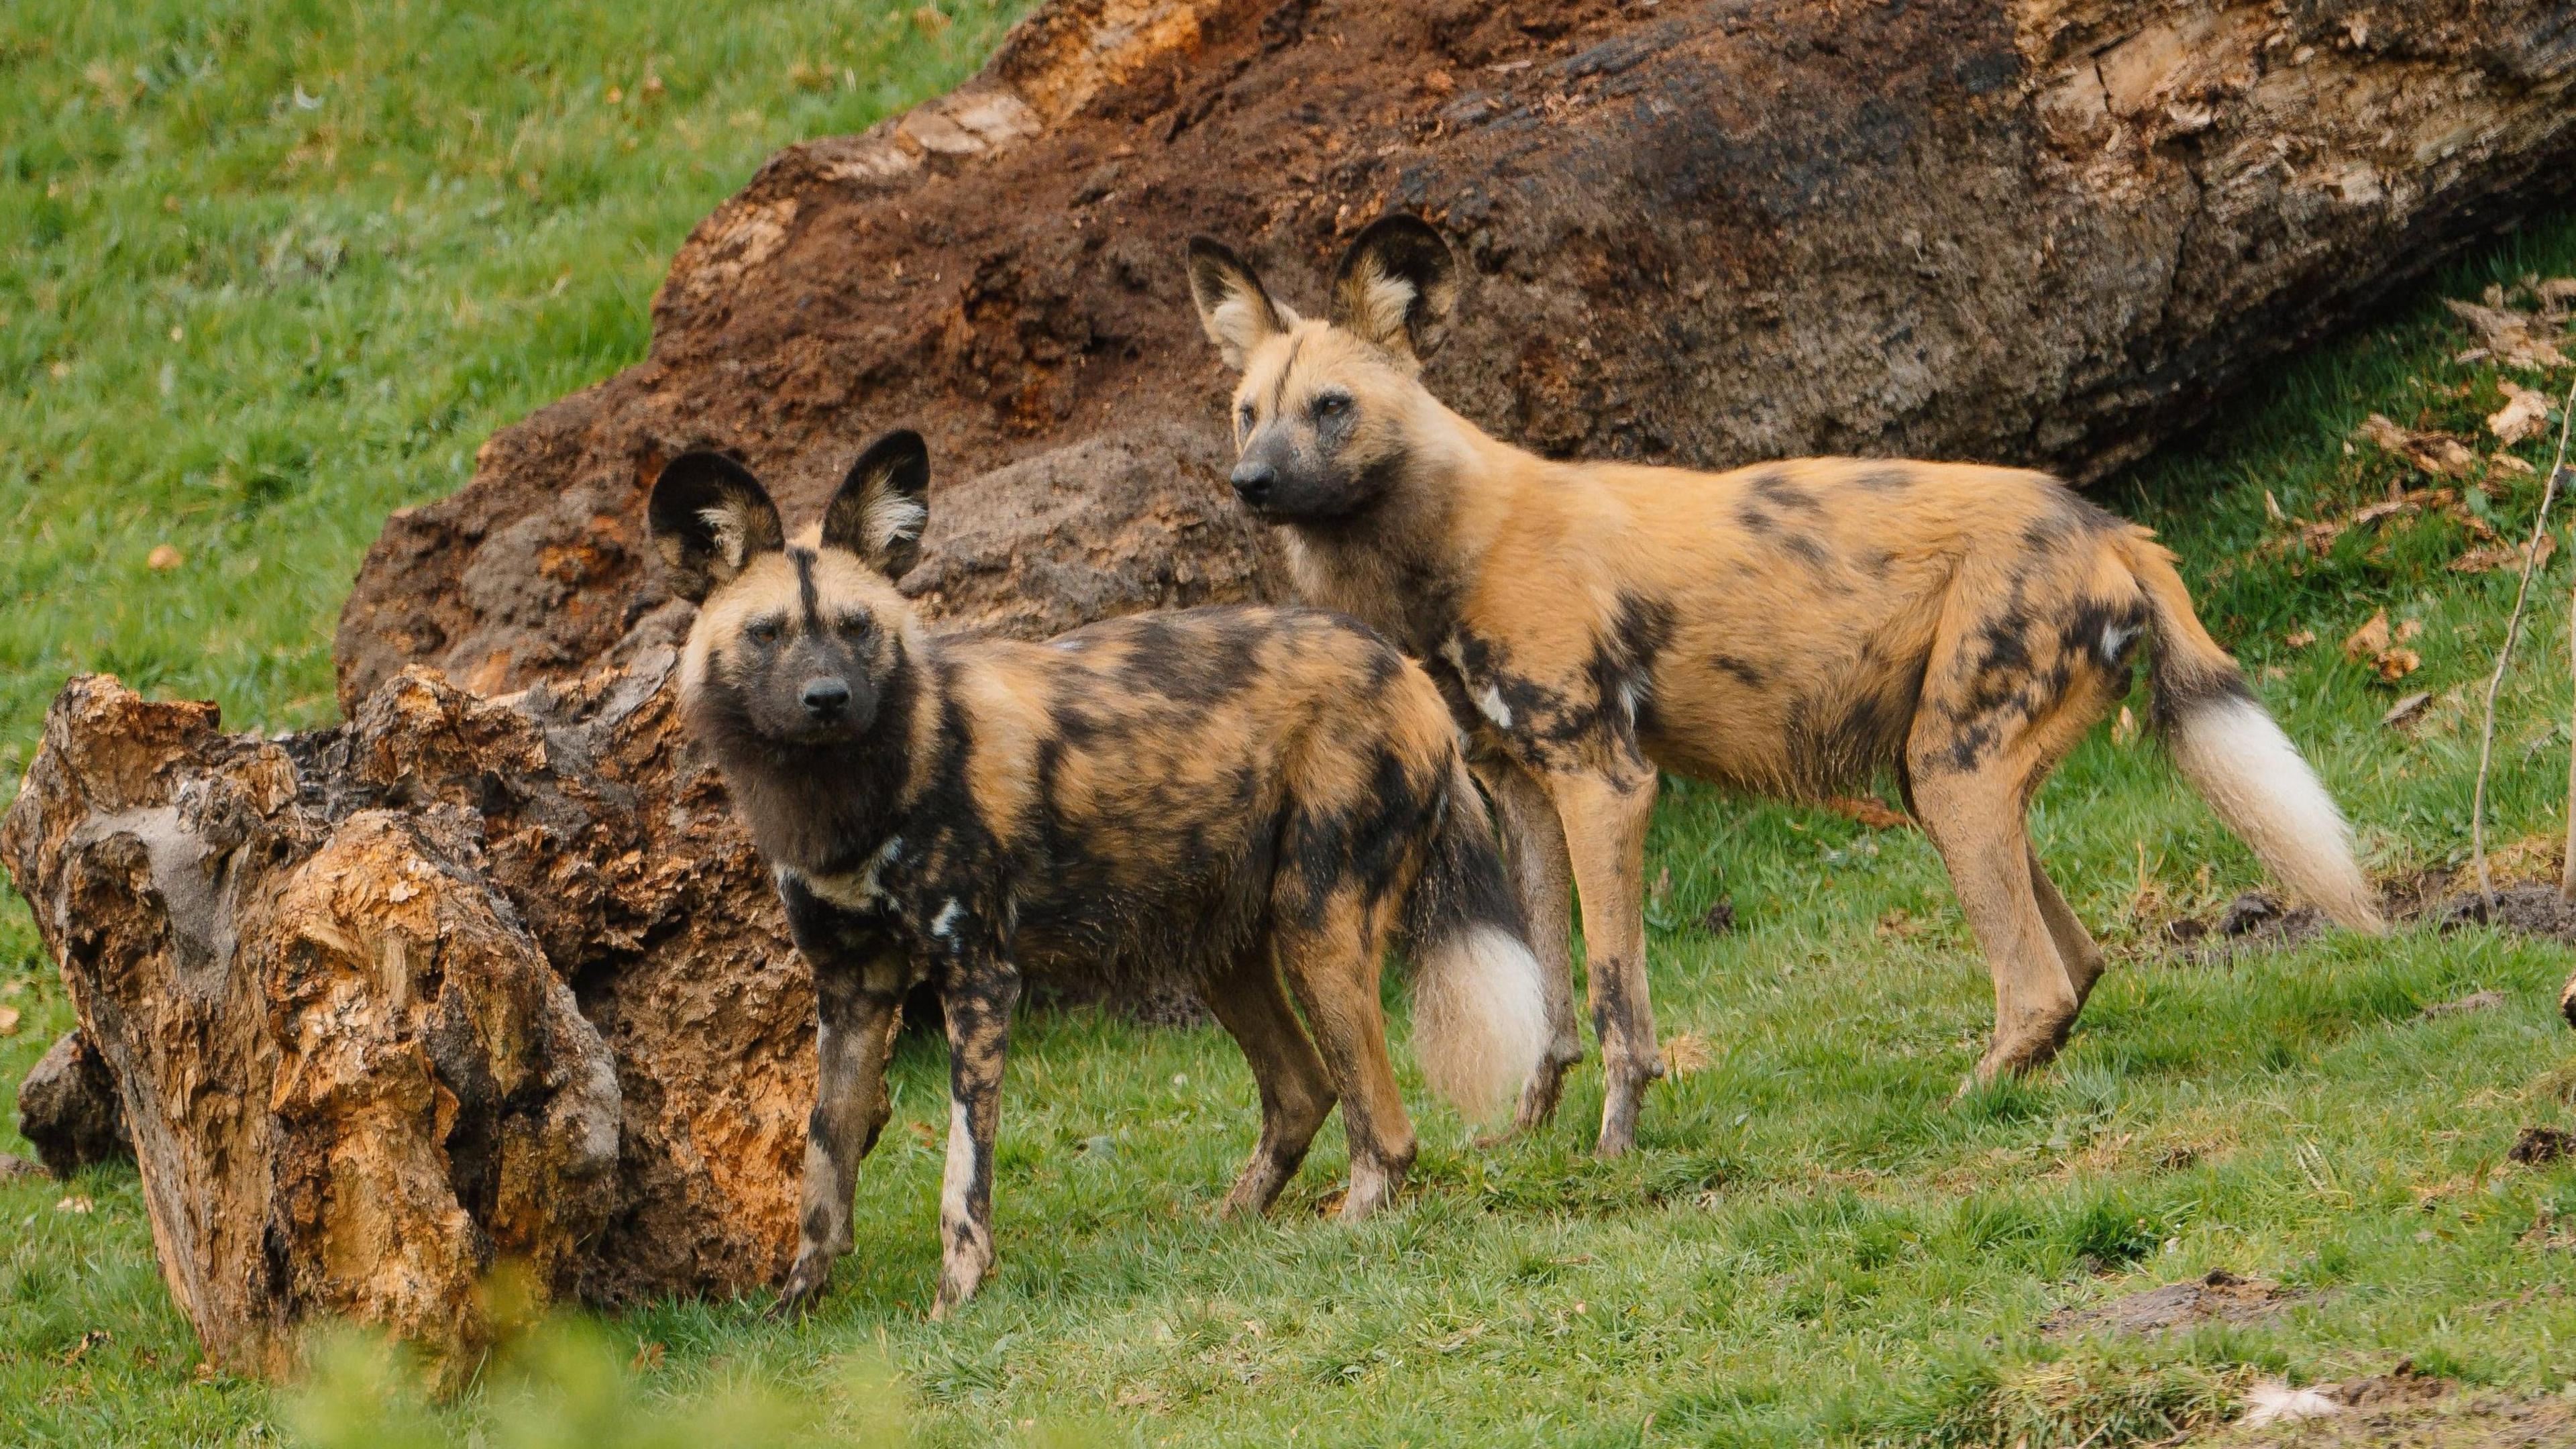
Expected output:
(1253, 800)
(1786, 629)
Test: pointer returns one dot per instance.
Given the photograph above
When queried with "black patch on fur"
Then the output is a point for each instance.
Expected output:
(1777, 489)
(803, 558)
(1839, 741)
(1744, 671)
(1805, 548)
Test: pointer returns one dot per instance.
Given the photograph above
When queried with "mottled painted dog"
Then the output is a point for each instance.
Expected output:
(1253, 800)
(1788, 629)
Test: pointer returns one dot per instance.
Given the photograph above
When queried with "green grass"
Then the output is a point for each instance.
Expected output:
(1814, 1243)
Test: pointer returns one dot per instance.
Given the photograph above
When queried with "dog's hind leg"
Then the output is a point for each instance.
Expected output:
(1333, 967)
(1543, 876)
(2075, 945)
(1296, 1092)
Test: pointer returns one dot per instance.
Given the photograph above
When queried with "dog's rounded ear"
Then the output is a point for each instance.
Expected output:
(1396, 287)
(1234, 308)
(710, 518)
(881, 507)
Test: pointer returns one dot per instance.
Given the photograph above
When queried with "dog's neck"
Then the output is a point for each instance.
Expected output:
(1404, 565)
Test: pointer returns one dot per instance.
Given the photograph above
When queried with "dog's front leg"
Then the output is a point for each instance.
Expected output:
(859, 981)
(977, 992)
(1605, 813)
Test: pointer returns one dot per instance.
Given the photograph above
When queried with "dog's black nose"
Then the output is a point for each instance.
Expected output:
(825, 698)
(1252, 482)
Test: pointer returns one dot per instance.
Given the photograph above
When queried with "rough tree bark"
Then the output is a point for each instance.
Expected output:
(2037, 231)
(458, 982)
(67, 1108)
(2042, 231)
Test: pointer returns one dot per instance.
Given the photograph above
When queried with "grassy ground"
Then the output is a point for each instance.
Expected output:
(268, 270)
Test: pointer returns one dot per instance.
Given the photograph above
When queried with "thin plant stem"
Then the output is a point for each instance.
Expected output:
(2504, 660)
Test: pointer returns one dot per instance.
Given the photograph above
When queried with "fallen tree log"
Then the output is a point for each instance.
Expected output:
(2039, 231)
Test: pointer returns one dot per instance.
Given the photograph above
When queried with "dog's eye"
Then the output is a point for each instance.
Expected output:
(1332, 405)
(855, 627)
(763, 633)
(1244, 418)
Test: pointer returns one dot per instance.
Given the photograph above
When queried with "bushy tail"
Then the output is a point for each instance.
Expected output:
(1479, 1002)
(2237, 758)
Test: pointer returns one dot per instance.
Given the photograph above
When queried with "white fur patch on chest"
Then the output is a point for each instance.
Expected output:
(856, 890)
(944, 925)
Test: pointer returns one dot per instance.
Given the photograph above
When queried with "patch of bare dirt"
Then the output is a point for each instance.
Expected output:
(2406, 1409)
(2222, 1297)
(2254, 921)
(2533, 910)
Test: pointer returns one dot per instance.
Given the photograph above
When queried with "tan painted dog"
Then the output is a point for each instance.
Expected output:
(1252, 801)
(1788, 629)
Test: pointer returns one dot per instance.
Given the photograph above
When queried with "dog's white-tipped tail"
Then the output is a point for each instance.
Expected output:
(1479, 1000)
(2246, 768)
(2236, 756)
(1479, 1018)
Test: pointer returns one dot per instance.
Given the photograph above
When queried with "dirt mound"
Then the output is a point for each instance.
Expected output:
(2408, 1409)
(2222, 1297)
(2530, 910)
(2254, 921)
(2001, 229)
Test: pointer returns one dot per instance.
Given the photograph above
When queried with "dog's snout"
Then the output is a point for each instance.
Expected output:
(827, 697)
(1253, 481)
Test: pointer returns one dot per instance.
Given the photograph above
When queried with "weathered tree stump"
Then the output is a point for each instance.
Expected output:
(460, 982)
(479, 978)
(67, 1108)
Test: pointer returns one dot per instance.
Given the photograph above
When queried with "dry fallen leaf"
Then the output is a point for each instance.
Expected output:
(2556, 294)
(2488, 557)
(1685, 1054)
(2372, 644)
(1872, 813)
(2300, 638)
(2524, 416)
(74, 1204)
(2439, 454)
(8, 1021)
(2404, 711)
(2125, 728)
(88, 1341)
(2508, 335)
(163, 559)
